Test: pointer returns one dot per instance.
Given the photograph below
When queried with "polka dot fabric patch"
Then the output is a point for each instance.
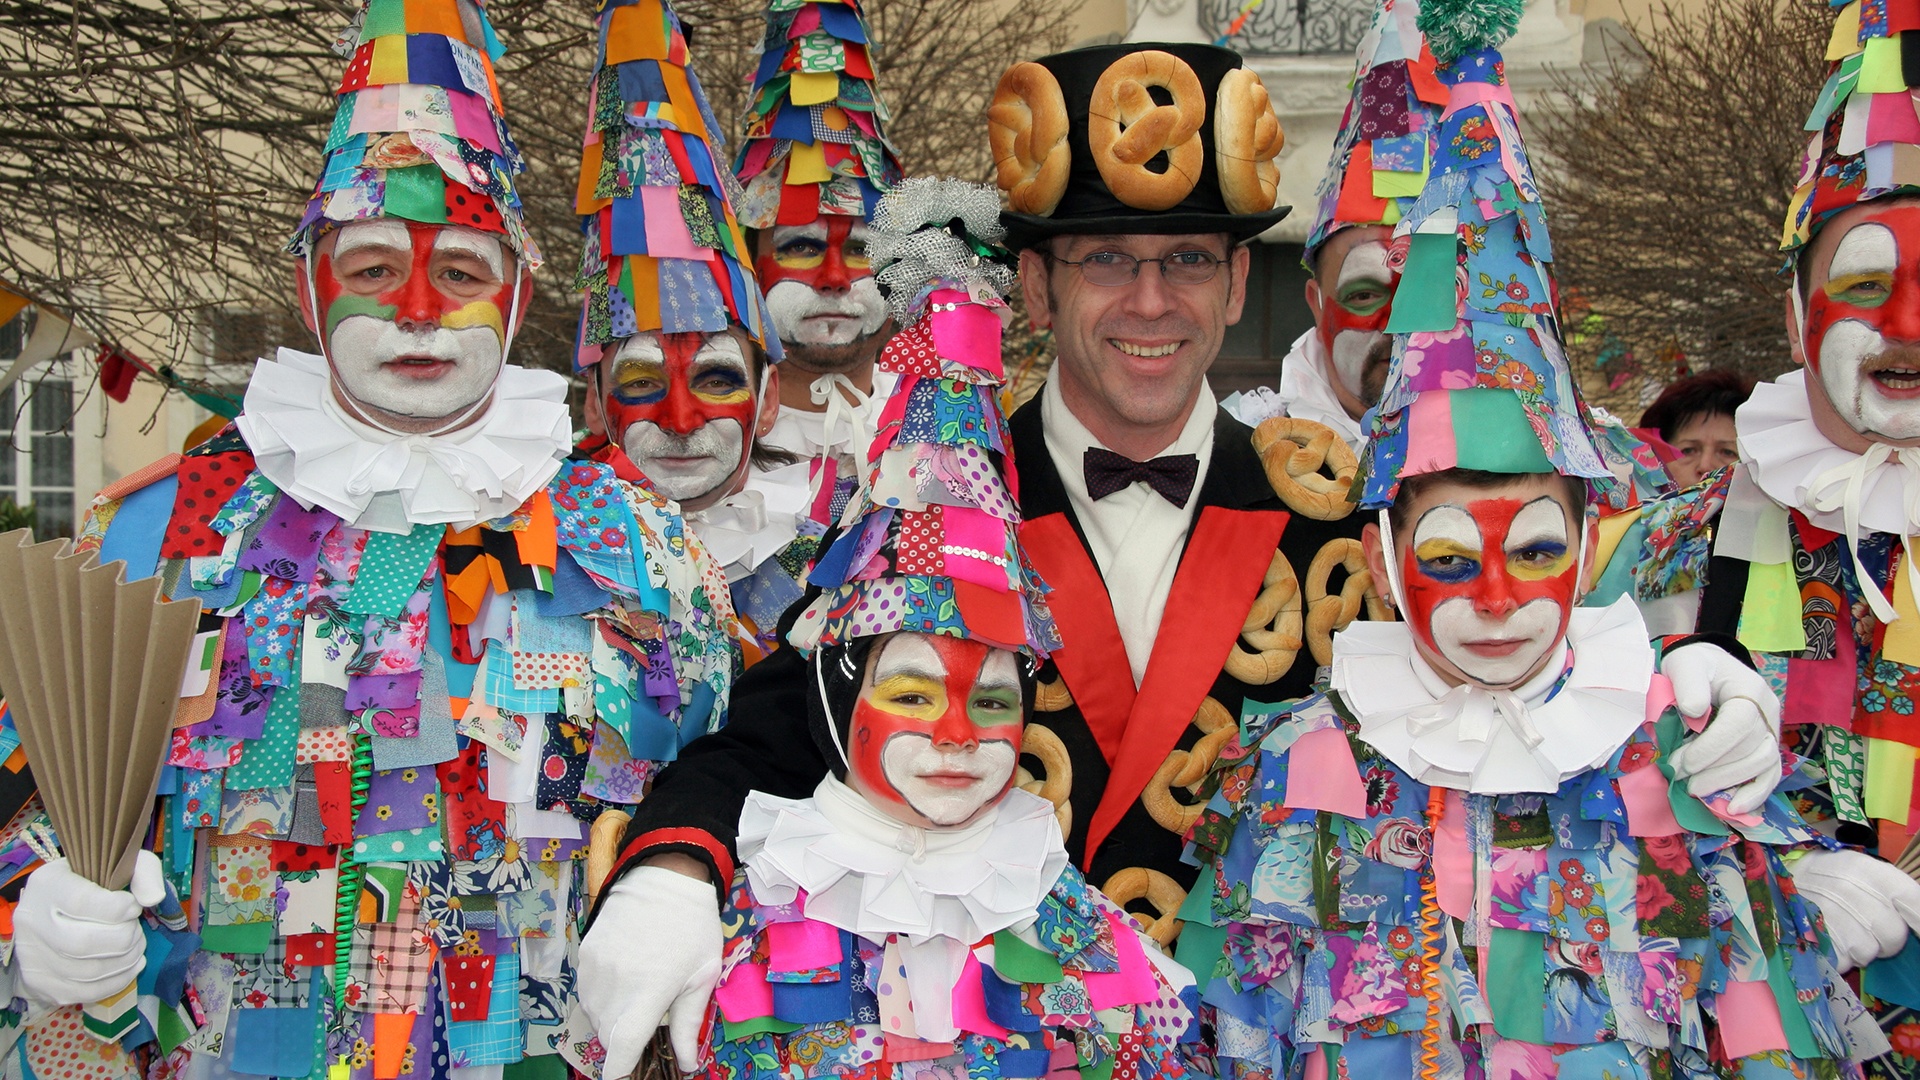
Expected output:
(469, 985)
(59, 1048)
(206, 483)
(910, 352)
(918, 547)
(468, 207)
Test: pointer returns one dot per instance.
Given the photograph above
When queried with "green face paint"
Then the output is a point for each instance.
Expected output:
(346, 305)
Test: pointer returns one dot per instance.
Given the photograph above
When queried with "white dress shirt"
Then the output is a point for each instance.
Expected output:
(1136, 535)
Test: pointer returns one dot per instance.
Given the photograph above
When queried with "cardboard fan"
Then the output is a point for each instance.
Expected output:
(92, 667)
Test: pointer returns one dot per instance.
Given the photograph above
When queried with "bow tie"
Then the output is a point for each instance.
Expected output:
(1172, 476)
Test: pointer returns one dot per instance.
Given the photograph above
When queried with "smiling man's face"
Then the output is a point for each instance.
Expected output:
(936, 732)
(414, 318)
(1860, 288)
(1132, 357)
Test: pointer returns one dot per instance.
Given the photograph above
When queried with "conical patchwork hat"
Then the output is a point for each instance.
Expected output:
(930, 543)
(816, 133)
(664, 249)
(418, 132)
(1480, 378)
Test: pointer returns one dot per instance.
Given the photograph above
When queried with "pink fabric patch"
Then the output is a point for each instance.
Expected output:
(1133, 983)
(1749, 1020)
(745, 994)
(900, 1048)
(1430, 445)
(1453, 861)
(1821, 691)
(970, 333)
(1649, 810)
(1321, 775)
(667, 235)
(970, 1003)
(802, 946)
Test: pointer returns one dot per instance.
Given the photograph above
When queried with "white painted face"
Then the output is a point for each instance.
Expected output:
(414, 334)
(1873, 385)
(819, 290)
(940, 725)
(1360, 350)
(1490, 585)
(681, 410)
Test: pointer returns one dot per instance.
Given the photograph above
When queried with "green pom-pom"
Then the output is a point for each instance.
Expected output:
(1455, 28)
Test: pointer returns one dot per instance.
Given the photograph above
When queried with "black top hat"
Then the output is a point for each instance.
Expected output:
(1141, 138)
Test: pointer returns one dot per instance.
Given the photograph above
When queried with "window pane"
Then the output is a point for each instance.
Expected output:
(53, 461)
(52, 405)
(52, 514)
(8, 474)
(6, 409)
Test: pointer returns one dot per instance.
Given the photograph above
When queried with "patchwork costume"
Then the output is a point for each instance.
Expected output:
(428, 663)
(861, 945)
(666, 253)
(1802, 548)
(815, 153)
(1251, 568)
(1410, 873)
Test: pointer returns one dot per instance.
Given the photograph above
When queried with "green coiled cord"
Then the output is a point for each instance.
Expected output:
(346, 902)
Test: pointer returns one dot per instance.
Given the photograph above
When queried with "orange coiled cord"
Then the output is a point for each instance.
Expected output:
(1430, 941)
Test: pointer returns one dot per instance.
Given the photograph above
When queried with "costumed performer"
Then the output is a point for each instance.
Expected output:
(1516, 882)
(917, 915)
(1801, 549)
(815, 162)
(681, 359)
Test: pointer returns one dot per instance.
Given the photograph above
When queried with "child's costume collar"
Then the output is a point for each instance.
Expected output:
(1529, 739)
(303, 442)
(939, 890)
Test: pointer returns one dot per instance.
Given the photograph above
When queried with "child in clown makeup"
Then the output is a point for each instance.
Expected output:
(1486, 569)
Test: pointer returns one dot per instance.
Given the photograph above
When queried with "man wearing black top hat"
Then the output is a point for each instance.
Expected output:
(1194, 563)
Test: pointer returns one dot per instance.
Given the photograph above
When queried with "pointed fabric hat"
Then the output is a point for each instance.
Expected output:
(418, 130)
(1480, 377)
(1864, 136)
(1380, 158)
(816, 135)
(664, 250)
(930, 543)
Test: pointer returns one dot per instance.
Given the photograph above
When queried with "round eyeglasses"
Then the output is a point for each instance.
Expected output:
(1113, 268)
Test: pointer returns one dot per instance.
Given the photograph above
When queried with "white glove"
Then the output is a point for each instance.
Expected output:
(1870, 904)
(654, 951)
(1739, 752)
(77, 942)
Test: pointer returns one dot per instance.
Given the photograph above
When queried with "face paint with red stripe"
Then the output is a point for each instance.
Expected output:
(820, 290)
(414, 317)
(935, 736)
(1490, 581)
(1862, 336)
(681, 405)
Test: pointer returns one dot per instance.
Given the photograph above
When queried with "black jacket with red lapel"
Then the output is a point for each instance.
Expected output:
(1116, 740)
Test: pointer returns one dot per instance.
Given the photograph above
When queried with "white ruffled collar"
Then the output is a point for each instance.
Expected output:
(312, 450)
(1794, 463)
(1308, 394)
(939, 890)
(749, 527)
(1528, 739)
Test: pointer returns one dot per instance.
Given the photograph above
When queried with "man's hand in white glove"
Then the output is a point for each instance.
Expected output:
(1739, 752)
(1870, 904)
(654, 952)
(77, 942)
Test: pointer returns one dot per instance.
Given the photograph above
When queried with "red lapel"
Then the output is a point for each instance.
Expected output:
(1093, 659)
(1218, 579)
